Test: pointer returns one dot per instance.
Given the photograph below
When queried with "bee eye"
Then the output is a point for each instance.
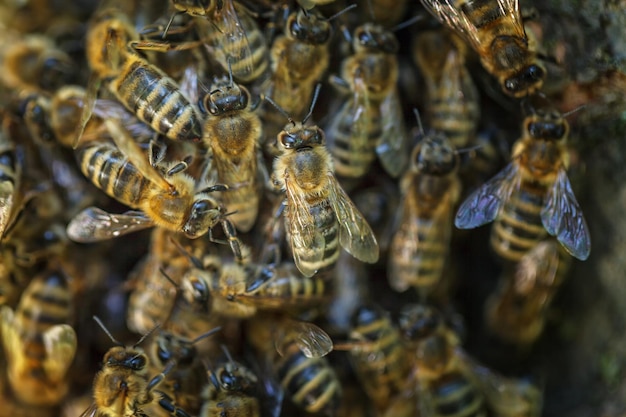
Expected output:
(534, 72)
(137, 362)
(288, 141)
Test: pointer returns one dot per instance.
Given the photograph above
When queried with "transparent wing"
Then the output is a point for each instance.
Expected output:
(355, 234)
(91, 411)
(540, 264)
(138, 157)
(311, 339)
(448, 13)
(304, 237)
(7, 201)
(562, 217)
(511, 9)
(392, 147)
(483, 205)
(505, 396)
(189, 84)
(94, 225)
(93, 85)
(232, 40)
(111, 109)
(60, 342)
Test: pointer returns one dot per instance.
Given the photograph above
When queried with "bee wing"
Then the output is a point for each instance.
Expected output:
(355, 234)
(448, 13)
(311, 339)
(483, 205)
(111, 109)
(7, 201)
(94, 225)
(540, 264)
(91, 411)
(60, 342)
(392, 147)
(563, 218)
(304, 236)
(189, 84)
(93, 85)
(504, 396)
(129, 147)
(232, 40)
(511, 9)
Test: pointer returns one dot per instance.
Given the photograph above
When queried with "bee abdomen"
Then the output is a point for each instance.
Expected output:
(482, 13)
(455, 396)
(518, 227)
(349, 160)
(108, 169)
(244, 205)
(324, 220)
(456, 120)
(157, 100)
(310, 382)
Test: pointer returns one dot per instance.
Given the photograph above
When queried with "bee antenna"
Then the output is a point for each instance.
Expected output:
(371, 9)
(304, 11)
(209, 367)
(167, 277)
(407, 23)
(227, 353)
(419, 121)
(467, 150)
(577, 109)
(167, 27)
(108, 333)
(145, 336)
(340, 12)
(316, 94)
(207, 334)
(195, 261)
(280, 109)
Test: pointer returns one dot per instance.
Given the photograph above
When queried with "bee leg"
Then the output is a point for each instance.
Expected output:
(160, 377)
(167, 403)
(179, 167)
(233, 240)
(340, 84)
(156, 151)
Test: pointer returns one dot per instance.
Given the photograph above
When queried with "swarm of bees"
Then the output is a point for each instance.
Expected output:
(127, 140)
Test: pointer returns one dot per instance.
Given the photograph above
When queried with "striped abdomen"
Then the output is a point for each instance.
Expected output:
(352, 153)
(485, 15)
(111, 171)
(156, 100)
(518, 227)
(326, 222)
(381, 360)
(311, 383)
(455, 396)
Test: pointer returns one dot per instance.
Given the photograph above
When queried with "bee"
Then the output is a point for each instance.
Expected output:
(33, 63)
(232, 133)
(452, 97)
(295, 351)
(495, 30)
(532, 195)
(187, 380)
(387, 12)
(38, 343)
(141, 87)
(517, 311)
(122, 387)
(168, 200)
(230, 391)
(232, 34)
(430, 190)
(449, 382)
(10, 180)
(379, 356)
(319, 215)
(371, 121)
(299, 59)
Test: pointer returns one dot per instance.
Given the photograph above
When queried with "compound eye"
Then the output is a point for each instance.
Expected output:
(535, 72)
(137, 363)
(288, 141)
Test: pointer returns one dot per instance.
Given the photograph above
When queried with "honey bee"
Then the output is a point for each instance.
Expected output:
(231, 391)
(232, 133)
(233, 36)
(379, 357)
(495, 30)
(516, 313)
(532, 195)
(430, 190)
(318, 212)
(295, 351)
(453, 101)
(33, 63)
(299, 59)
(449, 382)
(371, 121)
(141, 87)
(122, 387)
(38, 343)
(387, 12)
(187, 380)
(168, 200)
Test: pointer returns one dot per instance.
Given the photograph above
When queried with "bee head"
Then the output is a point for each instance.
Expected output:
(543, 121)
(308, 27)
(169, 347)
(119, 356)
(529, 80)
(203, 215)
(196, 290)
(435, 155)
(374, 38)
(193, 7)
(226, 97)
(299, 137)
(419, 322)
